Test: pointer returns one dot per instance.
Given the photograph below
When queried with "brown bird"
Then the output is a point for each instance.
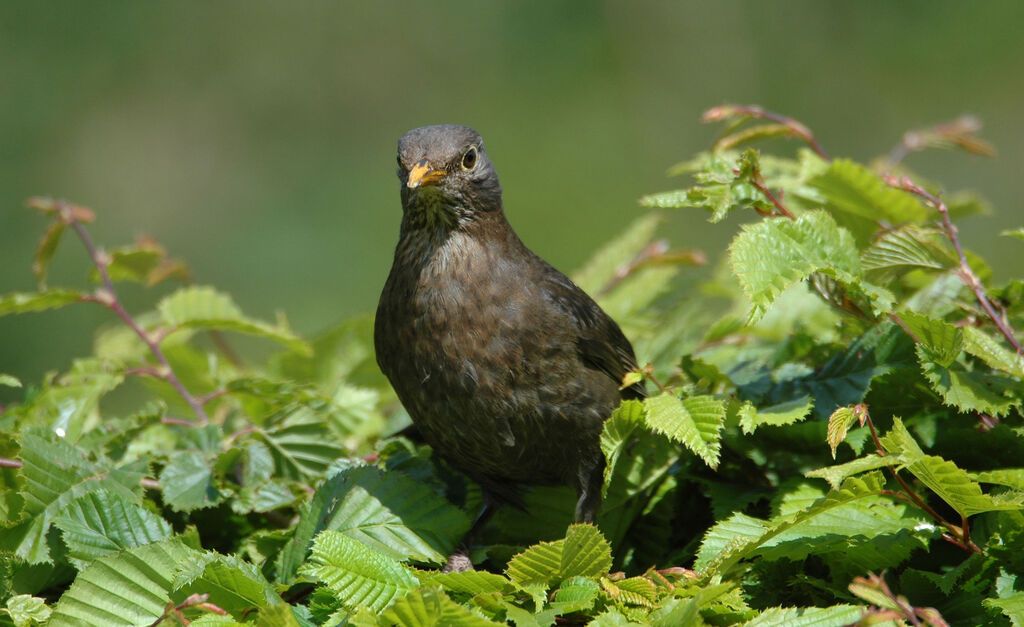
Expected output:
(507, 368)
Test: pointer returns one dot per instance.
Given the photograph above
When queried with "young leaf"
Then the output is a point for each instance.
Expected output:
(852, 188)
(838, 424)
(583, 552)
(25, 302)
(943, 340)
(835, 475)
(909, 246)
(26, 610)
(206, 308)
(9, 381)
(772, 254)
(357, 574)
(695, 422)
(425, 607)
(784, 413)
(835, 616)
(44, 252)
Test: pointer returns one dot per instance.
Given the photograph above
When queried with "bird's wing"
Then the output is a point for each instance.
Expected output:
(601, 343)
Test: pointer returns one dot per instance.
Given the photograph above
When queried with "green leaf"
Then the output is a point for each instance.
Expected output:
(835, 616)
(9, 381)
(583, 552)
(990, 350)
(741, 536)
(785, 413)
(55, 474)
(836, 474)
(26, 610)
(1017, 232)
(770, 255)
(357, 574)
(100, 523)
(24, 302)
(187, 482)
(386, 511)
(206, 308)
(909, 246)
(44, 252)
(615, 434)
(1010, 477)
(839, 424)
(852, 188)
(472, 582)
(696, 422)
(301, 445)
(125, 589)
(426, 607)
(968, 390)
(943, 340)
(233, 585)
(1012, 606)
(67, 405)
(952, 484)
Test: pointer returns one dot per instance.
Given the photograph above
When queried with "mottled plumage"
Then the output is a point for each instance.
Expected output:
(506, 367)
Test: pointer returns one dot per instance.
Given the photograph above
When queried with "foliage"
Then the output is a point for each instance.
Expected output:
(833, 436)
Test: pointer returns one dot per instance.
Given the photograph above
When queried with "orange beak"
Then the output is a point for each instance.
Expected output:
(421, 174)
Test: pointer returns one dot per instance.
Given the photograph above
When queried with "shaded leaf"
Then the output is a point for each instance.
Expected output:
(25, 302)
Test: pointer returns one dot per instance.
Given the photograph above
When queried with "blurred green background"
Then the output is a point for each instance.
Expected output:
(256, 139)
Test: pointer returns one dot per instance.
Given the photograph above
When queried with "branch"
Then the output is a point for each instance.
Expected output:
(107, 297)
(795, 127)
(965, 272)
(960, 133)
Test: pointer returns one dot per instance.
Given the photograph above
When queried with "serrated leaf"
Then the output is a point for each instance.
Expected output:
(968, 390)
(357, 574)
(741, 536)
(1010, 477)
(909, 246)
(770, 255)
(233, 585)
(943, 340)
(583, 552)
(426, 607)
(696, 422)
(24, 302)
(44, 252)
(785, 413)
(100, 523)
(55, 474)
(1012, 606)
(65, 406)
(836, 474)
(615, 434)
(835, 616)
(125, 589)
(470, 582)
(26, 610)
(301, 446)
(188, 484)
(386, 511)
(990, 350)
(206, 308)
(955, 487)
(852, 188)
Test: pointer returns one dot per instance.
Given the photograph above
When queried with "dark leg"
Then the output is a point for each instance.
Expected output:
(589, 482)
(459, 560)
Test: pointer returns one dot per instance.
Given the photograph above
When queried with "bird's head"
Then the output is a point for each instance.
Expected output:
(446, 176)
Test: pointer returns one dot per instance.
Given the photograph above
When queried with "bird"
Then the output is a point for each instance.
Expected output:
(506, 367)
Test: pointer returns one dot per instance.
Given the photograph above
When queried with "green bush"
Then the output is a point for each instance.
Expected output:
(833, 436)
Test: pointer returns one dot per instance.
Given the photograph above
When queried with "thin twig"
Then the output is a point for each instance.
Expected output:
(797, 128)
(777, 201)
(965, 272)
(108, 298)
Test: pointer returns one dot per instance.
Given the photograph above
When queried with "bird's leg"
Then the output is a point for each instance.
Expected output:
(459, 560)
(589, 482)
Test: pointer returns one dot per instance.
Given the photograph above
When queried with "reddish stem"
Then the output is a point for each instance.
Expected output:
(110, 301)
(965, 272)
(754, 111)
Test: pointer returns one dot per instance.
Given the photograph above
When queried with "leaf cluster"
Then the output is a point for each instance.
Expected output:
(833, 436)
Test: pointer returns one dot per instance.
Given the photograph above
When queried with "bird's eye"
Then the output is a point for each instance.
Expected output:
(469, 159)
